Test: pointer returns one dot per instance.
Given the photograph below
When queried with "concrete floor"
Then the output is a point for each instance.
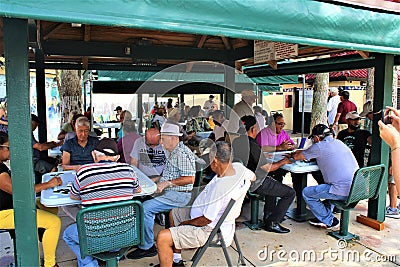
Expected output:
(261, 248)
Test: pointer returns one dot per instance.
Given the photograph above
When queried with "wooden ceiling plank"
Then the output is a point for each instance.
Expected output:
(201, 41)
(227, 43)
(87, 33)
(363, 54)
(52, 29)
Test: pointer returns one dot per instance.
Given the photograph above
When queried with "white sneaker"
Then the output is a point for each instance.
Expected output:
(392, 213)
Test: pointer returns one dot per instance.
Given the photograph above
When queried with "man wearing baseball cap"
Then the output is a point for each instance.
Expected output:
(329, 153)
(101, 182)
(118, 109)
(174, 186)
(355, 138)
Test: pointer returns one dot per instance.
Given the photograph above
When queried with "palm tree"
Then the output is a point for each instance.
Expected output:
(320, 97)
(70, 90)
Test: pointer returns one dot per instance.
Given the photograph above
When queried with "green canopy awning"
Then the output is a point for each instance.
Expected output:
(294, 21)
(189, 77)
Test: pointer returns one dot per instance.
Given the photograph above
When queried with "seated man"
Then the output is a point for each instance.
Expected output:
(42, 163)
(105, 181)
(148, 154)
(77, 151)
(337, 165)
(194, 225)
(173, 189)
(246, 148)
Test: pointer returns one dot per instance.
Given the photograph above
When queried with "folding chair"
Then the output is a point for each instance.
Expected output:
(366, 184)
(235, 203)
(108, 231)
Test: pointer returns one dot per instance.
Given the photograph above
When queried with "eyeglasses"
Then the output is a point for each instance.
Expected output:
(281, 124)
(8, 147)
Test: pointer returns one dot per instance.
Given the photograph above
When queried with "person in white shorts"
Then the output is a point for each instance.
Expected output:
(191, 226)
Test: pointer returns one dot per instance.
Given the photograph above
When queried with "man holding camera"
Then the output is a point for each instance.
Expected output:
(337, 165)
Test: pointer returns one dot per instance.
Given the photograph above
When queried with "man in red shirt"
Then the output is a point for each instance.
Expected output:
(344, 107)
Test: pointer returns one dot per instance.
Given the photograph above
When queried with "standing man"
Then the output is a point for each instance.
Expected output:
(355, 138)
(240, 109)
(173, 189)
(191, 226)
(333, 105)
(42, 164)
(148, 154)
(246, 148)
(329, 153)
(208, 104)
(103, 181)
(118, 109)
(344, 107)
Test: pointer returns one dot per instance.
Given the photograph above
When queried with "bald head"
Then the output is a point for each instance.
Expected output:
(152, 136)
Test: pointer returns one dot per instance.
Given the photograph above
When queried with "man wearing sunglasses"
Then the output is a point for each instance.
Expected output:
(355, 138)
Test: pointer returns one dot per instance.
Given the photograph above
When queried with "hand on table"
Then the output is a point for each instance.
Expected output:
(162, 185)
(55, 181)
(286, 145)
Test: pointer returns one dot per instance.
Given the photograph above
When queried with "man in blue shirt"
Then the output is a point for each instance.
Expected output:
(337, 165)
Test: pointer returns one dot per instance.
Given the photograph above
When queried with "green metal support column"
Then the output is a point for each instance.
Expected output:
(41, 96)
(229, 82)
(17, 75)
(379, 150)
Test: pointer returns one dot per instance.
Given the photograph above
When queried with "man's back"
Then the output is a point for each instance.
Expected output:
(336, 162)
(104, 182)
(345, 107)
(332, 108)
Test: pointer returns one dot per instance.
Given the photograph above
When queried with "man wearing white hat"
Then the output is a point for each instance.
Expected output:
(174, 186)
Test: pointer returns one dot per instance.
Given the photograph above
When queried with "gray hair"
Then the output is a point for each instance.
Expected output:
(82, 121)
(129, 126)
(222, 151)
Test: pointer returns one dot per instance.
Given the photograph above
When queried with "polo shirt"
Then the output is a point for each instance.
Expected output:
(268, 137)
(180, 162)
(249, 152)
(336, 163)
(345, 107)
(80, 155)
(104, 182)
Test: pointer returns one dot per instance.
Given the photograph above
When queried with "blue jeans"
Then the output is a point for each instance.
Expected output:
(165, 202)
(323, 211)
(70, 237)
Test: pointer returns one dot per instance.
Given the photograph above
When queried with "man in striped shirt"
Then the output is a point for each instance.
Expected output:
(101, 182)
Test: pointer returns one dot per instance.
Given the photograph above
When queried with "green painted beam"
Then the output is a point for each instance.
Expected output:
(380, 150)
(19, 129)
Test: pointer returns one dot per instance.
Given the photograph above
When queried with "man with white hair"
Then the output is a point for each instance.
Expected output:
(332, 105)
(173, 188)
(240, 109)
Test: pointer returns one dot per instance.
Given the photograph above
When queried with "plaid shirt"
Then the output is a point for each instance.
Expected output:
(180, 162)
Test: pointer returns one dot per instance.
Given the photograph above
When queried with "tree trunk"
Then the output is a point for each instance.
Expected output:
(369, 90)
(320, 96)
(69, 88)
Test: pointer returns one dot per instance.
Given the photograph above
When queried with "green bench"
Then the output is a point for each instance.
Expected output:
(366, 184)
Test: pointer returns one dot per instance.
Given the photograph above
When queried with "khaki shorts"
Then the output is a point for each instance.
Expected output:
(187, 236)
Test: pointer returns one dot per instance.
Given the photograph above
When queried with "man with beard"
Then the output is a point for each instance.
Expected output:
(355, 138)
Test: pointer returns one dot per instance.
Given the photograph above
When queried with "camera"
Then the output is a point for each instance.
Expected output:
(386, 119)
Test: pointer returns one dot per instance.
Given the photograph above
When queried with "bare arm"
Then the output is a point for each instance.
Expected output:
(134, 162)
(6, 184)
(183, 180)
(66, 159)
(46, 146)
(298, 155)
(199, 221)
(270, 167)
